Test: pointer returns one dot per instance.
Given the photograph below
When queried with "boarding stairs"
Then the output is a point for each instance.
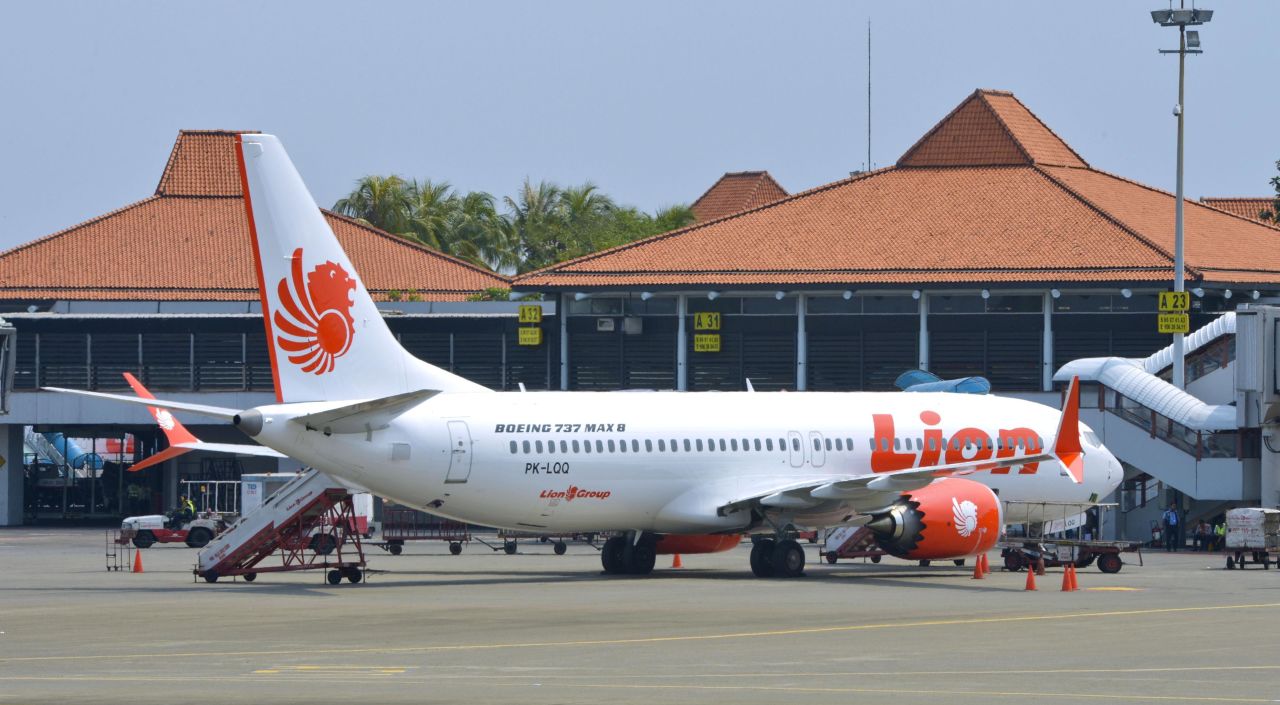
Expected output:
(309, 523)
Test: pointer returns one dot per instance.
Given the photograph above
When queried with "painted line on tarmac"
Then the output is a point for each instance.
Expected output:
(949, 693)
(653, 639)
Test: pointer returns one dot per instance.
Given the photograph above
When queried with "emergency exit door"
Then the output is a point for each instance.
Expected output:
(459, 452)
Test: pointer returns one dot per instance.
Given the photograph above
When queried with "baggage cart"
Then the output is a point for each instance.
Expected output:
(1253, 536)
(401, 524)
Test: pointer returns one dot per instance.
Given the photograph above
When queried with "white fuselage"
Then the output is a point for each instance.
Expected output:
(666, 461)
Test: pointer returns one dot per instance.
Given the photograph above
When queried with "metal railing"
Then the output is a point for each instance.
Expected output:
(1239, 444)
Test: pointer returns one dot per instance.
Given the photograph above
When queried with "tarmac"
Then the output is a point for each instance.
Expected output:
(485, 627)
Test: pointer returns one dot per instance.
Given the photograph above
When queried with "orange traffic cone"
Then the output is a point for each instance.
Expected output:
(1066, 578)
(675, 562)
(1075, 585)
(1031, 579)
(137, 561)
(986, 564)
(978, 572)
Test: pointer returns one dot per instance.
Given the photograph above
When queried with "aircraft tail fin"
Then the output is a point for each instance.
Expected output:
(1067, 444)
(326, 337)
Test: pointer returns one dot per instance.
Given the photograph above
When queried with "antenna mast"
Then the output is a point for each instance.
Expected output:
(869, 167)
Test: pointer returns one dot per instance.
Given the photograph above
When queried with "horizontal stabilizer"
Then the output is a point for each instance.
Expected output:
(365, 416)
(234, 449)
(216, 412)
(156, 458)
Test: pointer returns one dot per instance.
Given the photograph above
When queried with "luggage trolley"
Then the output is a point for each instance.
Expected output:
(400, 524)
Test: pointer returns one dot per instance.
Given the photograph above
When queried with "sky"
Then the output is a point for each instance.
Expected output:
(652, 101)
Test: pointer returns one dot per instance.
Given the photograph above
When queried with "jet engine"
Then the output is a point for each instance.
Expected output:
(696, 543)
(950, 518)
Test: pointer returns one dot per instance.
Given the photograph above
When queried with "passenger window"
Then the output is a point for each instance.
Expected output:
(513, 446)
(817, 444)
(873, 444)
(897, 444)
(723, 447)
(884, 444)
(576, 448)
(662, 445)
(611, 447)
(839, 444)
(600, 446)
(699, 443)
(768, 443)
(622, 446)
(733, 445)
(757, 444)
(933, 443)
(538, 446)
(848, 443)
(635, 445)
(687, 447)
(648, 446)
(795, 444)
(525, 445)
(828, 444)
(564, 446)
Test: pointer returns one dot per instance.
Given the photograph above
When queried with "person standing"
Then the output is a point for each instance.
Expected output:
(1170, 521)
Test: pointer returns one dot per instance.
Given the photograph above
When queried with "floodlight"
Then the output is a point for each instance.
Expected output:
(1198, 292)
(713, 295)
(916, 294)
(1226, 293)
(646, 295)
(1126, 293)
(1193, 39)
(580, 296)
(848, 294)
(779, 295)
(1055, 293)
(986, 294)
(1255, 294)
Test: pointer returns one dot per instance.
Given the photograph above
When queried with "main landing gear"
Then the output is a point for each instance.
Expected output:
(622, 555)
(772, 558)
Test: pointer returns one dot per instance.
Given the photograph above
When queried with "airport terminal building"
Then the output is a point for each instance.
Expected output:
(990, 248)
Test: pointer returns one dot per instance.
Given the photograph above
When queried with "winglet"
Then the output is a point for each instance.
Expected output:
(174, 431)
(1067, 445)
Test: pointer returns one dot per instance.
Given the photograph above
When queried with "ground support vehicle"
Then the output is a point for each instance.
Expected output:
(851, 542)
(1253, 536)
(401, 524)
(560, 542)
(148, 530)
(119, 552)
(308, 523)
(1021, 553)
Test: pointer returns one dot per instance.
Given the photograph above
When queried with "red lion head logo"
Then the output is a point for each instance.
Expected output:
(314, 325)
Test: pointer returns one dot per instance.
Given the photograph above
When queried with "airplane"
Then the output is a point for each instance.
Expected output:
(672, 472)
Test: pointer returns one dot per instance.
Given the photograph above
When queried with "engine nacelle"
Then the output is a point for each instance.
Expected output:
(696, 543)
(950, 518)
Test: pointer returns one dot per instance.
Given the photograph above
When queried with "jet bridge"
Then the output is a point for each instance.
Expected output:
(309, 524)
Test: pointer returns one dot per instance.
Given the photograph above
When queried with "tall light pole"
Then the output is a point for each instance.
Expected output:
(1188, 43)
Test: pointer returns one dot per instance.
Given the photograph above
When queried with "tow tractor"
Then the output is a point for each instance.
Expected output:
(146, 531)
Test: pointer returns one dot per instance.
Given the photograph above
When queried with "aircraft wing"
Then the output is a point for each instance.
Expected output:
(874, 491)
(866, 493)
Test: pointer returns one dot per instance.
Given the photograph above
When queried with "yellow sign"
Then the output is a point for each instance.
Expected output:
(530, 336)
(707, 342)
(1175, 302)
(530, 314)
(1174, 323)
(708, 320)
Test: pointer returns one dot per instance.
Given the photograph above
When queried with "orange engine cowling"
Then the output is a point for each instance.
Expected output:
(950, 518)
(696, 543)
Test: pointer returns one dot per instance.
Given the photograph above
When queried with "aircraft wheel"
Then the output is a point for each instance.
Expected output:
(611, 555)
(761, 553)
(639, 559)
(560, 548)
(1110, 563)
(959, 562)
(334, 577)
(455, 548)
(788, 559)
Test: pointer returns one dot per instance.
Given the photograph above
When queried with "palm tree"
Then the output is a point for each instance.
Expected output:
(535, 222)
(431, 212)
(477, 233)
(380, 201)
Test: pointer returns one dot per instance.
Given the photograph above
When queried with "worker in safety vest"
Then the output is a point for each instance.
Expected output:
(1219, 536)
(185, 512)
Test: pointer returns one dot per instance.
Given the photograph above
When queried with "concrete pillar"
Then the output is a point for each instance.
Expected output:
(11, 475)
(682, 343)
(924, 331)
(562, 311)
(802, 343)
(1047, 375)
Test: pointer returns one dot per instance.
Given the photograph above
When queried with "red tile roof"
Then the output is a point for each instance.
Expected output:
(190, 242)
(735, 192)
(988, 195)
(1246, 207)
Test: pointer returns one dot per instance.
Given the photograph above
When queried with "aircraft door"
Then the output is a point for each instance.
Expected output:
(819, 453)
(795, 445)
(459, 452)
